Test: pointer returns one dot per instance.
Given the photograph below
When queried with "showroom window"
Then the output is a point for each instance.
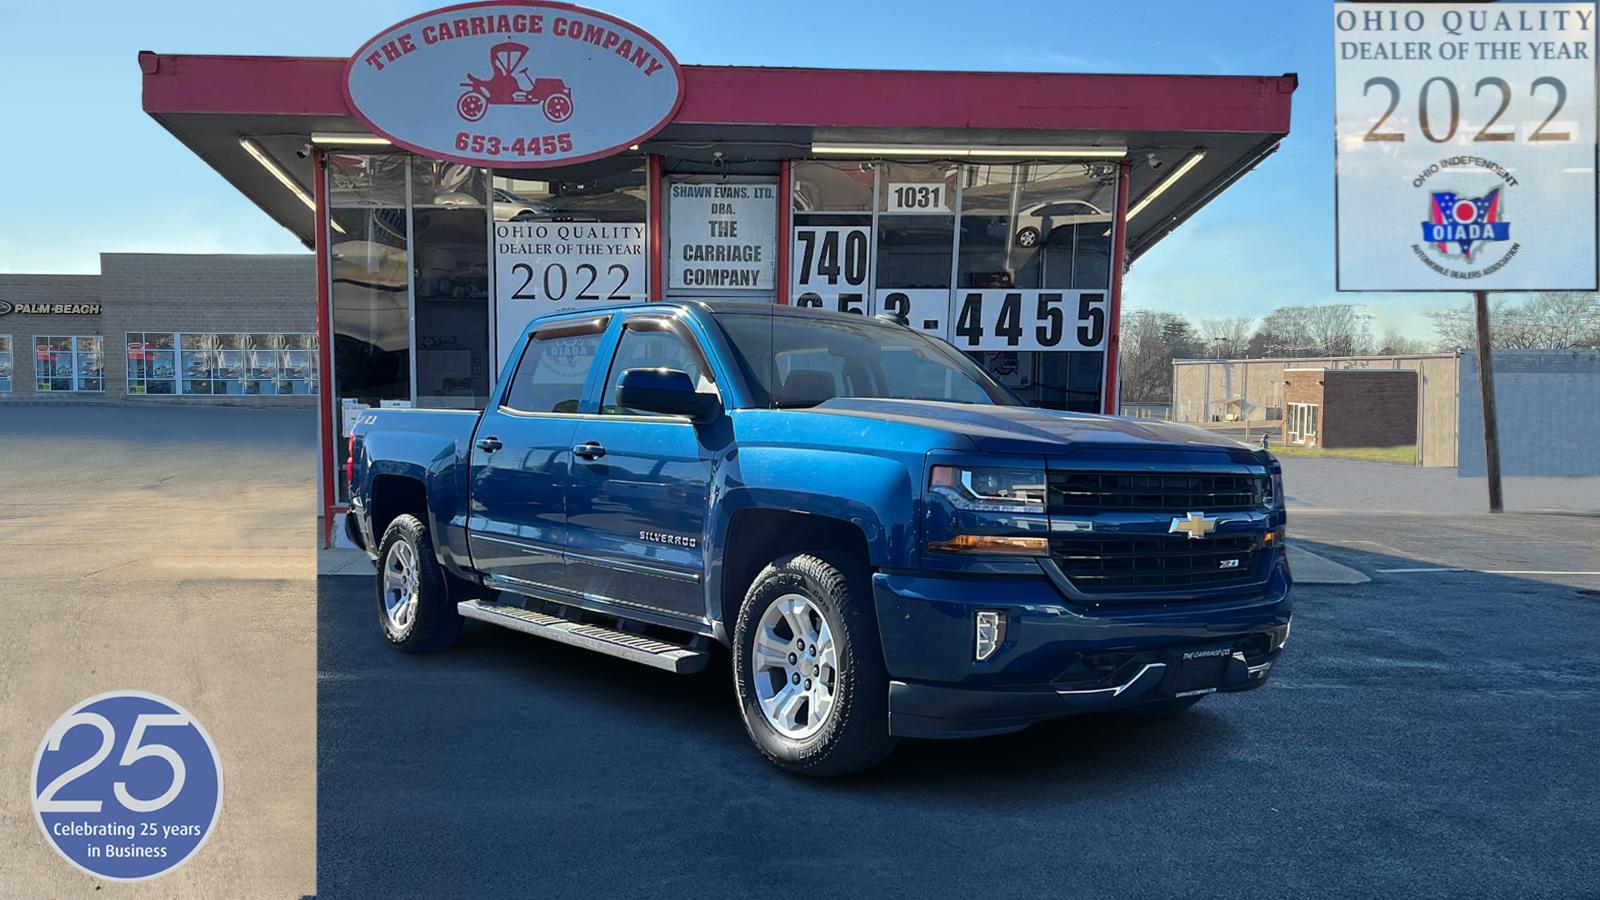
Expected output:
(68, 364)
(1033, 273)
(5, 364)
(152, 363)
(369, 269)
(831, 245)
(225, 364)
(450, 284)
(610, 190)
(1010, 263)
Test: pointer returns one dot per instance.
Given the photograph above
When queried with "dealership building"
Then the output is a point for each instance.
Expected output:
(163, 328)
(474, 167)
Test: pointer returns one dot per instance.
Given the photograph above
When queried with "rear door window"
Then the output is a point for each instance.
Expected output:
(550, 377)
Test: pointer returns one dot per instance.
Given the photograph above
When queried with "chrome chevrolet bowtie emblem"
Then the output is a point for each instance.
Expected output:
(1195, 525)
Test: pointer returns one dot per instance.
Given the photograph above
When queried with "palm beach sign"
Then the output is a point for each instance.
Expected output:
(514, 84)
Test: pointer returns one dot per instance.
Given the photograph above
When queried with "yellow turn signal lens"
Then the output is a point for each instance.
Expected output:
(990, 543)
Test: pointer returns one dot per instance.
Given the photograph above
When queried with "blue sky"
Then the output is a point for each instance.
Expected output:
(87, 170)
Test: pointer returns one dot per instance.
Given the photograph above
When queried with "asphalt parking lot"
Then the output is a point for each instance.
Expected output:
(1428, 733)
(171, 550)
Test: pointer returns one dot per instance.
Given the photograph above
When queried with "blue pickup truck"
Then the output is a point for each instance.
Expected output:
(887, 541)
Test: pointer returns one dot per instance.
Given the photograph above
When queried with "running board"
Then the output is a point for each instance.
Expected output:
(634, 647)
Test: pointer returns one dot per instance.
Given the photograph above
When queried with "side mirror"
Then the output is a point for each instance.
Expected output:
(666, 391)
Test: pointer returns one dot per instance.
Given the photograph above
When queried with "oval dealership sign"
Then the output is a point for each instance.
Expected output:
(514, 84)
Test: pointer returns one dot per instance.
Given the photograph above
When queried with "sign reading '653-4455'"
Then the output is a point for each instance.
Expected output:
(1465, 146)
(514, 83)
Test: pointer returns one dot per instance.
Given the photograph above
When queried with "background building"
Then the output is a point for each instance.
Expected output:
(1337, 408)
(182, 328)
(1548, 403)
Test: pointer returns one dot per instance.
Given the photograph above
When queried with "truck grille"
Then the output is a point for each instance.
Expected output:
(1178, 492)
(1151, 562)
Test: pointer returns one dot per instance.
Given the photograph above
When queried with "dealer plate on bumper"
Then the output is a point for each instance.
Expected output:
(1194, 671)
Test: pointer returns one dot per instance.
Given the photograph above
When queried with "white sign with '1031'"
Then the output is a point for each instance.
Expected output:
(1465, 152)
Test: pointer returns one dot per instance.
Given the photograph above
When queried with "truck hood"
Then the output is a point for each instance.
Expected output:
(1026, 429)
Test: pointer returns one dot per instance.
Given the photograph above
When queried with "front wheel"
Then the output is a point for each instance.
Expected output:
(808, 669)
(414, 607)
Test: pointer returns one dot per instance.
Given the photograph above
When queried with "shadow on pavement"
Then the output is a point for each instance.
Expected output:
(1438, 731)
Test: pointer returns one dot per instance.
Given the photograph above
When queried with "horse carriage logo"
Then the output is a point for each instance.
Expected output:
(510, 84)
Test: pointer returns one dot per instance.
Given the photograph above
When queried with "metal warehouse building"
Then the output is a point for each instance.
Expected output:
(1548, 401)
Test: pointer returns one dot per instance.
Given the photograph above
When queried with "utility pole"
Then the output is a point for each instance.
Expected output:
(1491, 428)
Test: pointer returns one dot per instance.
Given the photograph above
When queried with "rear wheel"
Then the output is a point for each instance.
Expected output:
(808, 669)
(415, 610)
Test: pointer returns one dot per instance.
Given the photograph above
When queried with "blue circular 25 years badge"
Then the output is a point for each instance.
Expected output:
(127, 785)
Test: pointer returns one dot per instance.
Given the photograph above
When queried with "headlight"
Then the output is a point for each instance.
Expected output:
(990, 490)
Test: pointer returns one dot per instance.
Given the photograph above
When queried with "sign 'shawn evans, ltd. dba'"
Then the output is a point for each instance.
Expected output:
(514, 84)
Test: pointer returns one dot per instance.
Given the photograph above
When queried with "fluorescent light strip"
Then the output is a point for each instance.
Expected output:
(342, 139)
(968, 152)
(260, 156)
(1169, 181)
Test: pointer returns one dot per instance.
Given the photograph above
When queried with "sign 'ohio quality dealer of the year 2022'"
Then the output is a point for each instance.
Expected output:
(1465, 146)
(514, 84)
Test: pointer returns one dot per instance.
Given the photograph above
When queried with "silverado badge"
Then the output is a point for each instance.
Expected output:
(1195, 525)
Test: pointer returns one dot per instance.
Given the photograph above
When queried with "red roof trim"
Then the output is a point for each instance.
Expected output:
(830, 98)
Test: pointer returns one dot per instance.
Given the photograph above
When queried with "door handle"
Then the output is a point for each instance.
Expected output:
(589, 450)
(489, 444)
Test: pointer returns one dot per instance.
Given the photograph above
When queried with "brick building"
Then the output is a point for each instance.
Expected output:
(155, 327)
(1350, 407)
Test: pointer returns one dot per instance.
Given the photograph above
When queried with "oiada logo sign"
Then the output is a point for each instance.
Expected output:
(514, 84)
(1466, 234)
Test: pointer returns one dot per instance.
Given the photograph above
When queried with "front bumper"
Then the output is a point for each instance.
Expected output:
(1058, 658)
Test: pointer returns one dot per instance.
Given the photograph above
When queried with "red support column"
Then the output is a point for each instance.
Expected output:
(785, 207)
(658, 249)
(325, 398)
(1119, 257)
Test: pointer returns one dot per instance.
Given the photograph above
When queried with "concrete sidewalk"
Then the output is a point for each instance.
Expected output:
(167, 550)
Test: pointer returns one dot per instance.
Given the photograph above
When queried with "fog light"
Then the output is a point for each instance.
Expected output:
(990, 632)
(1284, 638)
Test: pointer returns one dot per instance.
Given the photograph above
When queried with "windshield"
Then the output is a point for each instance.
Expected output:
(801, 361)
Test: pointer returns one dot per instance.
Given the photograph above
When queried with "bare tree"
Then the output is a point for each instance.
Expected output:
(1150, 341)
(1338, 329)
(1227, 336)
(1396, 344)
(1552, 320)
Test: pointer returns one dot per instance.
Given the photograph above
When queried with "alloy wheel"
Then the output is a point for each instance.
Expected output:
(795, 666)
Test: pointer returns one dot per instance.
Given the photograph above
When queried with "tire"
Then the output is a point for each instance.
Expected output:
(432, 622)
(1162, 709)
(851, 733)
(1028, 237)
